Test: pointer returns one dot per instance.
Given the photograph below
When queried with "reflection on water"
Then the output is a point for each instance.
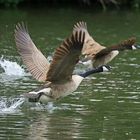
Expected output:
(105, 106)
(52, 127)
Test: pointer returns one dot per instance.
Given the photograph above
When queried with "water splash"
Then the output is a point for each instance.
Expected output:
(49, 58)
(9, 106)
(11, 68)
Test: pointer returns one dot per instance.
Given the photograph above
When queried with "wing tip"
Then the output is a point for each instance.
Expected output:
(79, 36)
(21, 27)
(80, 25)
(130, 41)
(21, 32)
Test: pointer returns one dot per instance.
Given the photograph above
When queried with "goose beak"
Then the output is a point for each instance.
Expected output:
(137, 46)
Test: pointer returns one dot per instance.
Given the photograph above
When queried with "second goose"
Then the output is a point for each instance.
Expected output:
(98, 55)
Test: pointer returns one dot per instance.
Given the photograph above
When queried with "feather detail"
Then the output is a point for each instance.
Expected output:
(91, 47)
(125, 45)
(34, 60)
(65, 58)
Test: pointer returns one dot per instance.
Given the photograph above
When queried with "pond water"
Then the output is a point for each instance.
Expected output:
(105, 106)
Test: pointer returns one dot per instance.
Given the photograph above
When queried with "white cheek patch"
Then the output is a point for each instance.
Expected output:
(133, 47)
(33, 92)
(45, 90)
(105, 69)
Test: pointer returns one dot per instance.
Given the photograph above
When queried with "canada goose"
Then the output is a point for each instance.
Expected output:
(58, 77)
(97, 54)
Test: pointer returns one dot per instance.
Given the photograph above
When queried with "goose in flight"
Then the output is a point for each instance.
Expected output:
(58, 77)
(96, 54)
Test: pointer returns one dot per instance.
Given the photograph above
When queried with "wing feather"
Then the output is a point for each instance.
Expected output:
(65, 58)
(34, 60)
(124, 45)
(91, 47)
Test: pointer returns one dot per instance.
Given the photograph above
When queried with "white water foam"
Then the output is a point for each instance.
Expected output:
(11, 68)
(9, 106)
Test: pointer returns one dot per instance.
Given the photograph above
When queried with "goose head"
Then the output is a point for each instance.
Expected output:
(134, 47)
(43, 95)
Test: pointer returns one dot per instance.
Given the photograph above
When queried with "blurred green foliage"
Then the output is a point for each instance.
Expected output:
(10, 3)
(136, 4)
(105, 4)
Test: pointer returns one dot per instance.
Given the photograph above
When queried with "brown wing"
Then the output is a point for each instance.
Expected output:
(35, 61)
(91, 47)
(125, 45)
(65, 58)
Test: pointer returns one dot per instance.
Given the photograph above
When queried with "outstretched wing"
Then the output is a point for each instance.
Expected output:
(124, 45)
(35, 61)
(91, 47)
(65, 58)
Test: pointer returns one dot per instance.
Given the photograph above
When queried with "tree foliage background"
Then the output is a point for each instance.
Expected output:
(104, 4)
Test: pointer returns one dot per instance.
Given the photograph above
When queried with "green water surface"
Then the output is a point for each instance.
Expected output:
(105, 106)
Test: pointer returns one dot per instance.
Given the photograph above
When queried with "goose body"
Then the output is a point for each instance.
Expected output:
(98, 54)
(105, 59)
(55, 91)
(57, 76)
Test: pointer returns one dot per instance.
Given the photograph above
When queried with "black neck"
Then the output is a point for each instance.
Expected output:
(87, 73)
